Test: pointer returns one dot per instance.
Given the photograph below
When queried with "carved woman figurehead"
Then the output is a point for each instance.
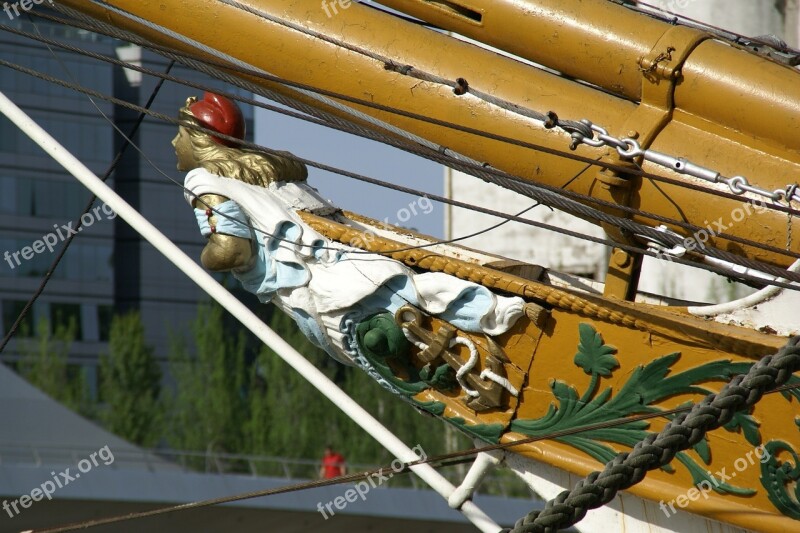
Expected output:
(253, 228)
(196, 148)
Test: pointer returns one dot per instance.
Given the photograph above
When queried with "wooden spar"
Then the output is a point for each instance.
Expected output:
(603, 42)
(206, 282)
(742, 122)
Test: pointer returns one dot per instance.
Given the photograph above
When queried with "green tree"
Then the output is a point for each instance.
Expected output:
(208, 408)
(288, 417)
(130, 383)
(220, 403)
(44, 365)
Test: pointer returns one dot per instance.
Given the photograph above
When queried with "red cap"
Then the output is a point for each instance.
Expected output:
(220, 114)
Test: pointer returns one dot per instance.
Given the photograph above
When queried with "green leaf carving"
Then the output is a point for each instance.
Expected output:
(700, 475)
(748, 425)
(782, 479)
(647, 385)
(593, 356)
(381, 349)
(486, 432)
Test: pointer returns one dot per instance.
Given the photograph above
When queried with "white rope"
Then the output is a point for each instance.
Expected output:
(503, 382)
(468, 366)
(414, 340)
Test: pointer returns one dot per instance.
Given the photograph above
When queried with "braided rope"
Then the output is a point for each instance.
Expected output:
(656, 450)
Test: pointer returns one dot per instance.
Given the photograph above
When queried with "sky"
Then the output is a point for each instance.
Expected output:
(363, 156)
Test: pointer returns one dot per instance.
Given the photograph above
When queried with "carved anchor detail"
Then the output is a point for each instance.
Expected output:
(489, 392)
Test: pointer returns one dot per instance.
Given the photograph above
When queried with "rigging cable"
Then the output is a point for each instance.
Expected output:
(380, 138)
(644, 230)
(167, 77)
(548, 197)
(460, 86)
(502, 181)
(721, 33)
(195, 62)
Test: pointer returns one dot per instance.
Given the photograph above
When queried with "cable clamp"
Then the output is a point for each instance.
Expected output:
(659, 248)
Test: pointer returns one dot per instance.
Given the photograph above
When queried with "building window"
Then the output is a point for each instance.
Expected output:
(10, 135)
(84, 262)
(30, 196)
(104, 314)
(11, 310)
(67, 316)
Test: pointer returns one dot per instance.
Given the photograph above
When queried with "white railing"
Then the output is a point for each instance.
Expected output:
(215, 462)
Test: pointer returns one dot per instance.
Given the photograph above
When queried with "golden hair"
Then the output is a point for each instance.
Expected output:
(243, 164)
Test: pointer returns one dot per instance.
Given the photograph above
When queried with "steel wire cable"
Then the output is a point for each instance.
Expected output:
(546, 196)
(509, 183)
(718, 32)
(93, 25)
(371, 135)
(438, 461)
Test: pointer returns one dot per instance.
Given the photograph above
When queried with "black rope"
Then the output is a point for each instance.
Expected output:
(658, 449)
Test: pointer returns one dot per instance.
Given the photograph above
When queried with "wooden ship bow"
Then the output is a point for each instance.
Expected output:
(663, 128)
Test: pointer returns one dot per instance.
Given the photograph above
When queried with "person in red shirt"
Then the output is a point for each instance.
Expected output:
(333, 464)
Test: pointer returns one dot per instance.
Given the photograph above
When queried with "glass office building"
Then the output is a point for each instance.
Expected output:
(108, 267)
